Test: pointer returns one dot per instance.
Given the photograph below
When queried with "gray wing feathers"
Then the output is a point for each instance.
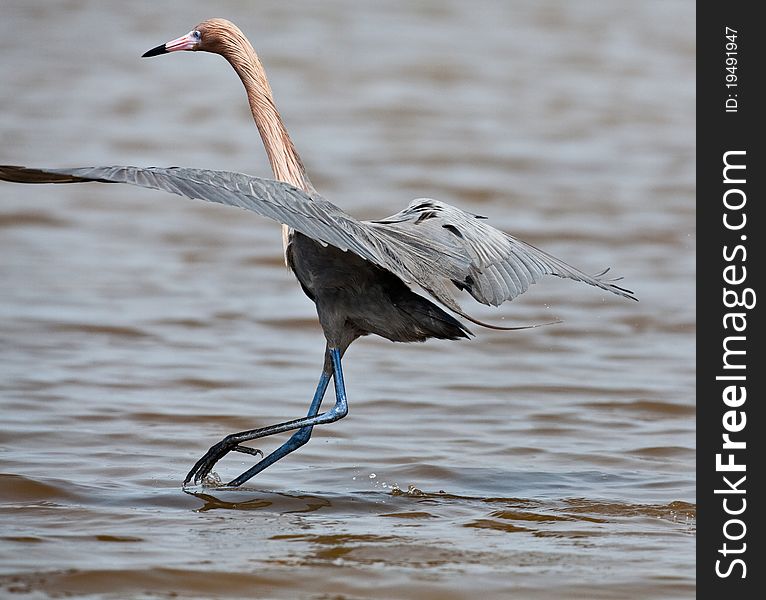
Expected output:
(311, 215)
(282, 202)
(429, 244)
(492, 266)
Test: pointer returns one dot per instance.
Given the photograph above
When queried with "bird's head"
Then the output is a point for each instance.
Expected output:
(212, 35)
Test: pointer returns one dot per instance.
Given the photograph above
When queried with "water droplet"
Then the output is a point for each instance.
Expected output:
(413, 491)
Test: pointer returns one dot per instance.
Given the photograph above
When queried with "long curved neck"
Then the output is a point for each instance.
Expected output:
(285, 162)
(284, 159)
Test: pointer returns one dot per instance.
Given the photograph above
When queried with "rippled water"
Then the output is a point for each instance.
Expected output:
(138, 328)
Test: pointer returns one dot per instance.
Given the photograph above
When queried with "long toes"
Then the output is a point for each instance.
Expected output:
(198, 472)
(204, 465)
(193, 473)
(247, 450)
(201, 471)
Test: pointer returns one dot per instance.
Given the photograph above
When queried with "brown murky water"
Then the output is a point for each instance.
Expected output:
(137, 328)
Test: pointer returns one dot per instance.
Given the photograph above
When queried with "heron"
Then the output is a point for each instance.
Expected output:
(396, 277)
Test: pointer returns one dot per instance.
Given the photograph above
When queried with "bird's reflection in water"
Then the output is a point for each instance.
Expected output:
(244, 500)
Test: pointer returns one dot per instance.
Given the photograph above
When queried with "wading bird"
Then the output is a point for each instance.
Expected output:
(360, 274)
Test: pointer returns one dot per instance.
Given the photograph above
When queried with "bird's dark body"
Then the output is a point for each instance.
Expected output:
(355, 298)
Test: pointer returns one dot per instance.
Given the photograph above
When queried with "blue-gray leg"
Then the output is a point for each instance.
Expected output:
(305, 426)
(297, 440)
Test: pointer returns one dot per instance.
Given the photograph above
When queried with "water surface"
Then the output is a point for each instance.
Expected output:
(138, 328)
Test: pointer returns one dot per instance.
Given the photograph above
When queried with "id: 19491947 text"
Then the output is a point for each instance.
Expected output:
(732, 99)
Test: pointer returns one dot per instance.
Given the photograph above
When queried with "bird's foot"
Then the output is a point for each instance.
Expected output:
(202, 468)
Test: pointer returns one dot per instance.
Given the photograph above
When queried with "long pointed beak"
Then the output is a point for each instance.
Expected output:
(185, 42)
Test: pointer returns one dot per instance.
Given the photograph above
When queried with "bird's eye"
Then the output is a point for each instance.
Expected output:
(196, 35)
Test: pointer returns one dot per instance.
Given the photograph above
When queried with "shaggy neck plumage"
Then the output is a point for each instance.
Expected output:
(285, 162)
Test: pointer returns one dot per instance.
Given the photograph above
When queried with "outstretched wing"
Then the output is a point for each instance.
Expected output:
(429, 244)
(494, 267)
(311, 215)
